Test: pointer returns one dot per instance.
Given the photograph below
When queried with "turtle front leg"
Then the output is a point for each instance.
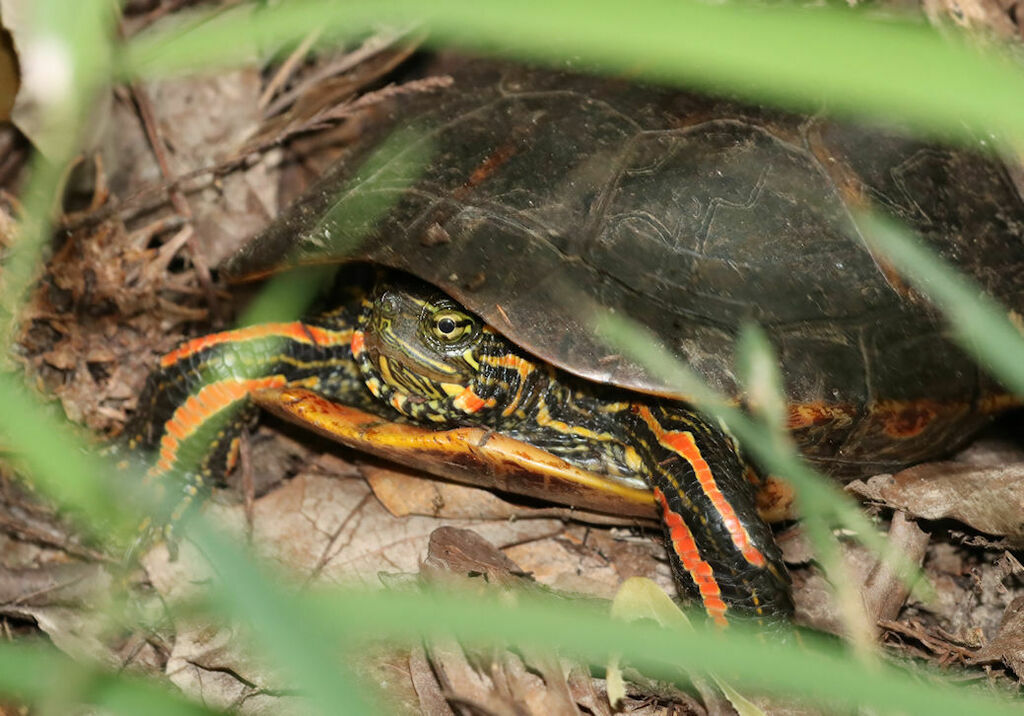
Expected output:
(721, 551)
(195, 404)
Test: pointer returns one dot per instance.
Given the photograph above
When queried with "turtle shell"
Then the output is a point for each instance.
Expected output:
(542, 199)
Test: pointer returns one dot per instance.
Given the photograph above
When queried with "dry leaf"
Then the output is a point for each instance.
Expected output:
(989, 498)
(327, 529)
(39, 88)
(9, 77)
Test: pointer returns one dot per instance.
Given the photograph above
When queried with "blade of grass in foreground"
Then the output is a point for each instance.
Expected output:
(759, 370)
(356, 206)
(982, 326)
(61, 464)
(71, 52)
(811, 669)
(38, 673)
(814, 669)
(798, 56)
(84, 482)
(278, 623)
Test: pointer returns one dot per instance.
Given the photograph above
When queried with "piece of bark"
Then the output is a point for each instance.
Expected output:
(1008, 645)
(884, 591)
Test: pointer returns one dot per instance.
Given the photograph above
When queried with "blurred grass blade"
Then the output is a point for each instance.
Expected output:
(815, 669)
(819, 500)
(353, 213)
(758, 370)
(61, 465)
(761, 379)
(639, 344)
(801, 56)
(641, 598)
(39, 673)
(276, 621)
(288, 295)
(67, 47)
(982, 326)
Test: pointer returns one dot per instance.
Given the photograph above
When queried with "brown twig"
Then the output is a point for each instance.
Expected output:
(178, 201)
(287, 68)
(159, 192)
(40, 536)
(248, 484)
(370, 47)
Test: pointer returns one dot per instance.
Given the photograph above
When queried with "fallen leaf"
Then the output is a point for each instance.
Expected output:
(41, 83)
(989, 498)
(330, 530)
(9, 76)
(525, 681)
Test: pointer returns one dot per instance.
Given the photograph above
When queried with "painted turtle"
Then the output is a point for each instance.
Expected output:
(527, 202)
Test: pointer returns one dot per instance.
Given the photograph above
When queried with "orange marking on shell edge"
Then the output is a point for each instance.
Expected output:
(807, 415)
(683, 444)
(469, 402)
(686, 549)
(202, 406)
(907, 419)
(294, 331)
(358, 342)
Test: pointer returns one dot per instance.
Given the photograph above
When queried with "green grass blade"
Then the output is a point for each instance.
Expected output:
(761, 379)
(277, 622)
(813, 669)
(38, 673)
(358, 205)
(852, 61)
(758, 369)
(982, 326)
(61, 464)
(818, 497)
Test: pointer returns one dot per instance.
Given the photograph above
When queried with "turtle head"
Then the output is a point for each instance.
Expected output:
(419, 350)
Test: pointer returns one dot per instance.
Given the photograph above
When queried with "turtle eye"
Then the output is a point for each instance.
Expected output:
(451, 326)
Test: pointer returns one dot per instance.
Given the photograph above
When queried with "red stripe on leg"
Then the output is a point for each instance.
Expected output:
(684, 445)
(292, 331)
(689, 555)
(200, 408)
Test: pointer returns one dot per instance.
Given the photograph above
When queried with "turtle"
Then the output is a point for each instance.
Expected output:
(501, 216)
